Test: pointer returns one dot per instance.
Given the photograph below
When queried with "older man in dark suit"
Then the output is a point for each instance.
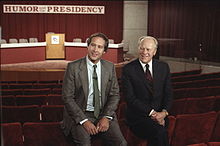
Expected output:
(91, 95)
(148, 92)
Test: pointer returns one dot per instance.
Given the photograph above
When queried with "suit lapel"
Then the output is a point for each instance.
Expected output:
(156, 73)
(84, 77)
(141, 75)
(104, 79)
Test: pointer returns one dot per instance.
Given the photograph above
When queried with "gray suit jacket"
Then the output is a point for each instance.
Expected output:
(75, 92)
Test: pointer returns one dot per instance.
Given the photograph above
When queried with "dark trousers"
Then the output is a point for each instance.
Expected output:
(156, 135)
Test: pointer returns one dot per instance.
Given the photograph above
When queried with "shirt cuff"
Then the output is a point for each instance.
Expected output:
(110, 118)
(151, 112)
(166, 112)
(83, 121)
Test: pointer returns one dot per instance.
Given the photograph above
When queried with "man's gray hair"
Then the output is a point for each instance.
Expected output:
(147, 37)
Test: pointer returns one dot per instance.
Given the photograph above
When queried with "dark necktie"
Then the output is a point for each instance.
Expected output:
(149, 77)
(96, 100)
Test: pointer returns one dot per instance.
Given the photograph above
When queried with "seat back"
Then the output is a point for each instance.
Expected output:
(52, 113)
(20, 114)
(193, 128)
(12, 134)
(44, 134)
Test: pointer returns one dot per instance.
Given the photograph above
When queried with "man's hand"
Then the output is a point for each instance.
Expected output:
(103, 124)
(159, 117)
(90, 127)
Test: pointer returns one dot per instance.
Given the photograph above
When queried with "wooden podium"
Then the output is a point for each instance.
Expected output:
(55, 46)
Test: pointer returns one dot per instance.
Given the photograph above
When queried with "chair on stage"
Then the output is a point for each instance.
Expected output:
(77, 40)
(111, 41)
(13, 40)
(3, 41)
(33, 40)
(23, 40)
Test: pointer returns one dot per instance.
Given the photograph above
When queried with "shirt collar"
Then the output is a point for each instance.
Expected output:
(143, 64)
(90, 63)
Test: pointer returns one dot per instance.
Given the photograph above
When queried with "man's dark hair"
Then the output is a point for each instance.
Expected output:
(101, 35)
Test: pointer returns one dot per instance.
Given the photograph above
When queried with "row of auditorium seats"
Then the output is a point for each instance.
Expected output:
(180, 106)
(194, 77)
(30, 85)
(35, 40)
(206, 144)
(22, 40)
(195, 105)
(197, 83)
(44, 91)
(32, 113)
(184, 73)
(196, 92)
(183, 130)
(20, 100)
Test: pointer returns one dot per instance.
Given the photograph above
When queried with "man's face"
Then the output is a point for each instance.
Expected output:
(147, 49)
(96, 49)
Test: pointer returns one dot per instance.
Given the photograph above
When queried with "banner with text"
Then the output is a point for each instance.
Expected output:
(65, 9)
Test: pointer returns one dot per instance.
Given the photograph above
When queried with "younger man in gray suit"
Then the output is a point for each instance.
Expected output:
(91, 95)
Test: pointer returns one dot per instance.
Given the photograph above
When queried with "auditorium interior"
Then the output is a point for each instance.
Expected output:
(33, 63)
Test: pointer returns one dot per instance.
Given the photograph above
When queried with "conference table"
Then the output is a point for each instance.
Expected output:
(30, 52)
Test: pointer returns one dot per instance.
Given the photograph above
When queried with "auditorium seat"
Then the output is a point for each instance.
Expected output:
(11, 134)
(52, 113)
(184, 73)
(11, 92)
(46, 85)
(13, 40)
(178, 106)
(44, 134)
(31, 100)
(216, 131)
(49, 81)
(20, 86)
(44, 91)
(199, 105)
(8, 100)
(197, 83)
(121, 110)
(4, 86)
(193, 128)
(56, 91)
(196, 92)
(198, 144)
(217, 104)
(23, 40)
(213, 143)
(21, 114)
(196, 77)
(172, 121)
(131, 139)
(54, 99)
